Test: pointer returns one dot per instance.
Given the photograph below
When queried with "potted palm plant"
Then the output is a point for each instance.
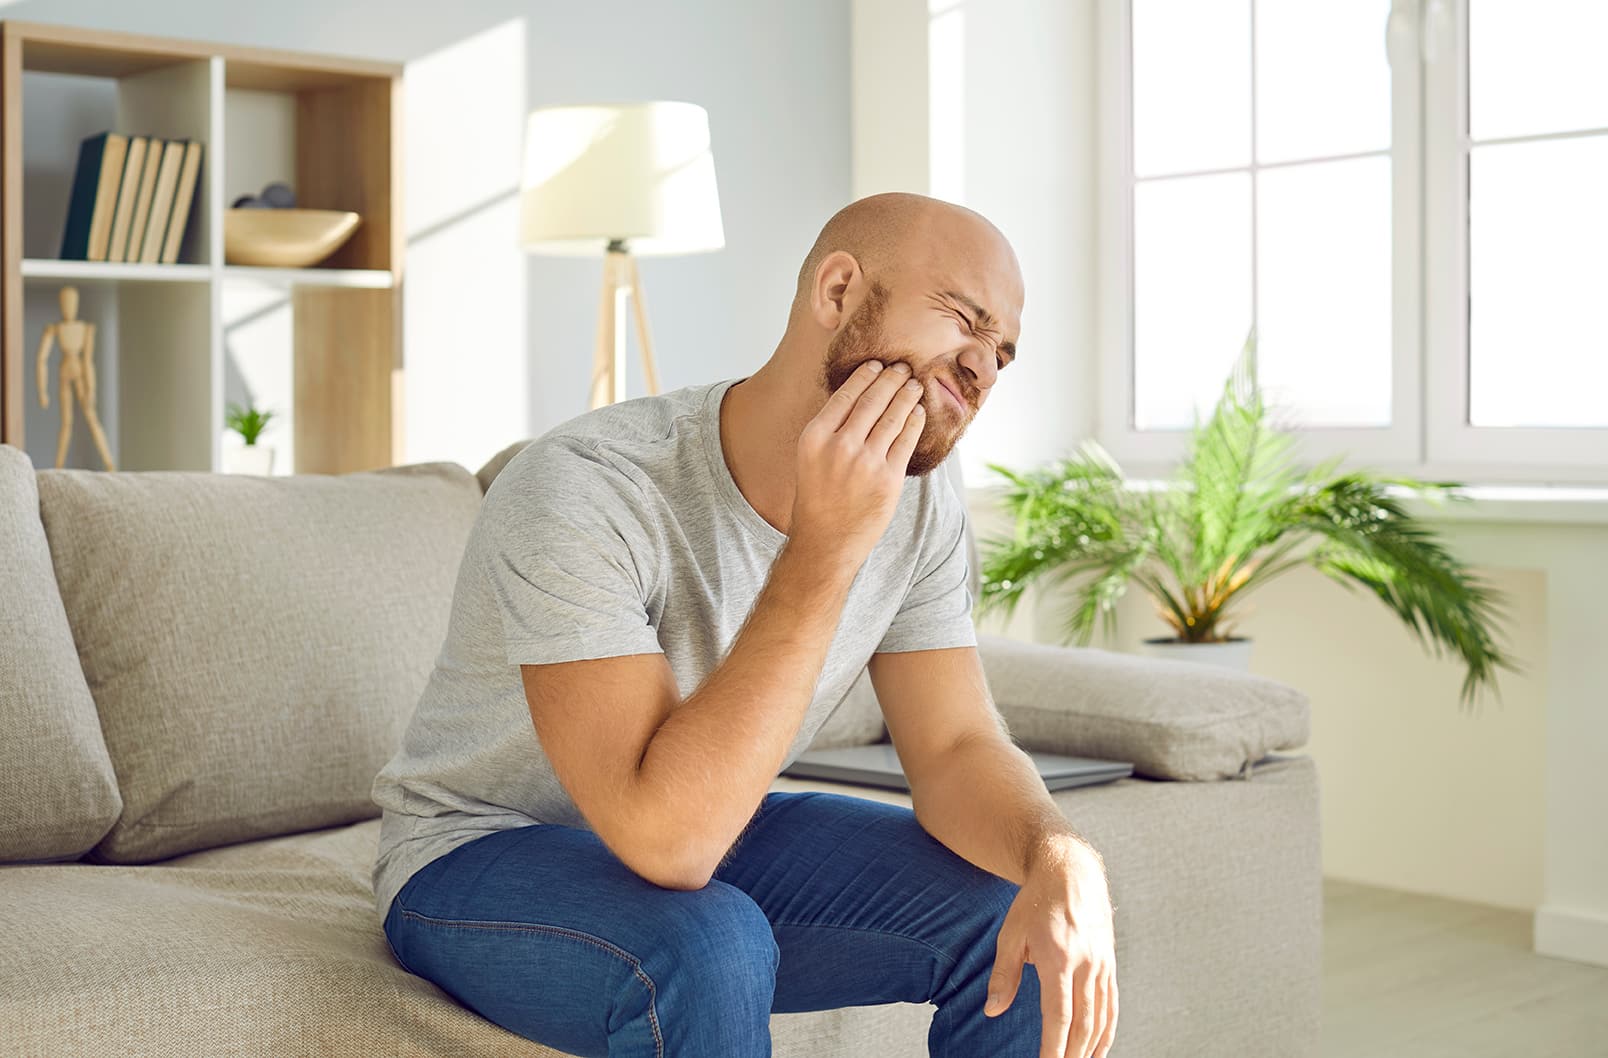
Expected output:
(1238, 513)
(248, 457)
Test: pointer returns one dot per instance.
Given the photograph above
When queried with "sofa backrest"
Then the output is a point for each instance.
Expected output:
(58, 791)
(255, 646)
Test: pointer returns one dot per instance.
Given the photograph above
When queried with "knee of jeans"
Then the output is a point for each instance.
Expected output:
(991, 898)
(720, 930)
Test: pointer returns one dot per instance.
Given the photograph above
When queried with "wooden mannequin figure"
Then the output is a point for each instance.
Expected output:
(77, 338)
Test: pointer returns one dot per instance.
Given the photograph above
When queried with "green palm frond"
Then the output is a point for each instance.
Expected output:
(1368, 539)
(1238, 514)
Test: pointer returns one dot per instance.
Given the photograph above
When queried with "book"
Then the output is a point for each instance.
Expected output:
(127, 191)
(167, 182)
(182, 197)
(142, 200)
(93, 199)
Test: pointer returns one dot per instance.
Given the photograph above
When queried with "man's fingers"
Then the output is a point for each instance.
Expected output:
(882, 392)
(1006, 978)
(1108, 1034)
(1055, 1000)
(1085, 1013)
(904, 444)
(836, 410)
(893, 420)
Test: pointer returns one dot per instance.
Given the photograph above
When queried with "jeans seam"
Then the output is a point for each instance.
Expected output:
(866, 929)
(540, 927)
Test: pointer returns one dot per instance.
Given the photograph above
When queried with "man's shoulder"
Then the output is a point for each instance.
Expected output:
(638, 420)
(608, 449)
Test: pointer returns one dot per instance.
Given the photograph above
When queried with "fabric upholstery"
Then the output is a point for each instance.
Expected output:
(255, 645)
(58, 792)
(857, 722)
(1171, 719)
(1217, 898)
(272, 946)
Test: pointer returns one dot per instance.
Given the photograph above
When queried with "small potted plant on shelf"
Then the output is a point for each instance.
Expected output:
(250, 457)
(1237, 514)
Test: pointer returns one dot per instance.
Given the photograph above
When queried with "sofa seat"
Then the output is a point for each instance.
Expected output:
(276, 941)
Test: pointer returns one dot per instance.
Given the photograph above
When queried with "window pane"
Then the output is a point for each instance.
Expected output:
(1324, 291)
(1192, 293)
(1538, 283)
(1191, 85)
(1322, 79)
(1536, 66)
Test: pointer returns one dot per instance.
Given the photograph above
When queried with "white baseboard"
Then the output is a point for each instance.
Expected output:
(1573, 935)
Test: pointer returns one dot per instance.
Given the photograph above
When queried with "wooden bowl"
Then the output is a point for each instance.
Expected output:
(285, 238)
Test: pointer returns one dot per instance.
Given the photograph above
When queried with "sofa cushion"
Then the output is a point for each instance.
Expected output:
(1171, 719)
(856, 722)
(1217, 904)
(58, 792)
(255, 645)
(273, 947)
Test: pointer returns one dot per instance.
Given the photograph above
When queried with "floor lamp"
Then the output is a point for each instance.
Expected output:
(622, 180)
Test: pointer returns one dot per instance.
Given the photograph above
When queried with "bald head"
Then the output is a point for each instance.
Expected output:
(902, 278)
(883, 231)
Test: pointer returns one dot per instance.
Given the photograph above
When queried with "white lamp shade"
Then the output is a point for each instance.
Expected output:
(640, 172)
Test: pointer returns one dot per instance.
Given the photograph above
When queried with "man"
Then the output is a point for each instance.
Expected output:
(659, 605)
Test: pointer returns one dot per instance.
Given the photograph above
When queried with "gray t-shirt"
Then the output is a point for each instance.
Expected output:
(622, 531)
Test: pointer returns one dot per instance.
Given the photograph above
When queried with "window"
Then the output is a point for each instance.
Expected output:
(1304, 167)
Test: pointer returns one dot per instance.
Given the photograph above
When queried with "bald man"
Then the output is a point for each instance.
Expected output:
(661, 602)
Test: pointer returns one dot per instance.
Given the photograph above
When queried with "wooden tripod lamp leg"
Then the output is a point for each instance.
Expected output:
(650, 373)
(603, 359)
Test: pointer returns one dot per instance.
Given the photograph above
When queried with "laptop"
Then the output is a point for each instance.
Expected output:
(878, 765)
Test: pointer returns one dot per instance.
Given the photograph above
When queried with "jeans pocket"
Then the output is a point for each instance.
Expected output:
(394, 916)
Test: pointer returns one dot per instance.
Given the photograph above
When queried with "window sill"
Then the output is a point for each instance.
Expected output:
(1492, 504)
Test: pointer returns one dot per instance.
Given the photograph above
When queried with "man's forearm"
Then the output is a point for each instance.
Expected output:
(708, 766)
(987, 803)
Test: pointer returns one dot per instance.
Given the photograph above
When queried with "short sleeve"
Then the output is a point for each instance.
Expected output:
(565, 549)
(937, 610)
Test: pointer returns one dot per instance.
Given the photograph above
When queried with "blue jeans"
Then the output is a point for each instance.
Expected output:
(825, 901)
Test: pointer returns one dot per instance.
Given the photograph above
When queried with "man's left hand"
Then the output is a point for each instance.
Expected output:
(1060, 922)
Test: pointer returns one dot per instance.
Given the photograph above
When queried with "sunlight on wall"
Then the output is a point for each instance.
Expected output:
(946, 99)
(464, 295)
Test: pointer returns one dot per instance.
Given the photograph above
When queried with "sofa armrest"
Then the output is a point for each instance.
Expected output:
(1171, 719)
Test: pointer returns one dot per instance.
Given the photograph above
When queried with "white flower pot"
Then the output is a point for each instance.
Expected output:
(1234, 654)
(248, 459)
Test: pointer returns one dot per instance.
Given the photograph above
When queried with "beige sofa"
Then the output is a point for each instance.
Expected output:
(200, 674)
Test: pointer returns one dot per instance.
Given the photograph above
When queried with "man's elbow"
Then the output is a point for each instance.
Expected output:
(669, 865)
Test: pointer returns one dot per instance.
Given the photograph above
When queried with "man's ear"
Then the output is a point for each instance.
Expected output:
(839, 286)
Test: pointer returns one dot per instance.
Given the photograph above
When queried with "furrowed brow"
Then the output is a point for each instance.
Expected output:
(984, 317)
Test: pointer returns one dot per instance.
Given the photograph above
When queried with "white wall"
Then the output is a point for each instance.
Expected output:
(1501, 805)
(498, 344)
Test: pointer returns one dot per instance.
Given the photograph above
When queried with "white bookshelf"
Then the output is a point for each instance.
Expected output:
(325, 125)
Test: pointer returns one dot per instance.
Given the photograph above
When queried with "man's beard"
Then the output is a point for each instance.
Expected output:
(861, 339)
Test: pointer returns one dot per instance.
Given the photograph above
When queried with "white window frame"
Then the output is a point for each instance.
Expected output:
(1528, 454)
(1429, 435)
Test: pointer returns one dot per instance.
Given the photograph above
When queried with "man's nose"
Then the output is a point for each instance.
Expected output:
(978, 358)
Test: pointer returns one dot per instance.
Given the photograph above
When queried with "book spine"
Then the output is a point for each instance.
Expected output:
(126, 194)
(81, 202)
(142, 204)
(180, 221)
(111, 177)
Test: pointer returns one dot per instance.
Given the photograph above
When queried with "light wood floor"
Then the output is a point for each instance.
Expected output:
(1408, 976)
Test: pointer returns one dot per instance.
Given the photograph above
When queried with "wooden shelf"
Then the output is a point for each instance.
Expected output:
(328, 125)
(106, 271)
(357, 278)
(278, 278)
